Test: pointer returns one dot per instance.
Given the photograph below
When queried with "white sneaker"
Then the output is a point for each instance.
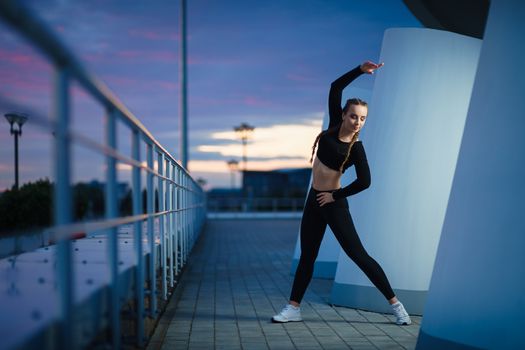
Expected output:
(289, 313)
(402, 317)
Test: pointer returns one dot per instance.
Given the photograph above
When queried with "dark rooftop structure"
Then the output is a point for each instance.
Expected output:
(467, 17)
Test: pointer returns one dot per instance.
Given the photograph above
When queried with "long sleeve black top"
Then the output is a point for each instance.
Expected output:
(329, 151)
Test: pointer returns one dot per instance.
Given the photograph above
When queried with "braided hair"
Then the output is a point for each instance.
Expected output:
(349, 102)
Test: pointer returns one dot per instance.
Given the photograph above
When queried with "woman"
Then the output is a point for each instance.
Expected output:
(338, 149)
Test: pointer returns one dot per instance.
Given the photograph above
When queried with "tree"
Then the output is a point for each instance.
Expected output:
(31, 206)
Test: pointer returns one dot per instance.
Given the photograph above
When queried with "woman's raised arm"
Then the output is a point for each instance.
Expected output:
(336, 89)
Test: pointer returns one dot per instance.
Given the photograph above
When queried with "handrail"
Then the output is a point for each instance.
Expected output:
(182, 207)
(38, 119)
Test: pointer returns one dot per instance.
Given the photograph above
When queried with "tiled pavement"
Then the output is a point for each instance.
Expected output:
(238, 277)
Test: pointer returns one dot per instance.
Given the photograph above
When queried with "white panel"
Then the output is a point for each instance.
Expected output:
(416, 119)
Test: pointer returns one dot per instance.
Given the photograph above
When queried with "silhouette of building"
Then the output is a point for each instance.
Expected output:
(282, 183)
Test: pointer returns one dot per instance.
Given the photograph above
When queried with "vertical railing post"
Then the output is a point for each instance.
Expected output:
(162, 221)
(192, 212)
(176, 216)
(151, 234)
(185, 216)
(180, 210)
(188, 214)
(181, 217)
(195, 210)
(190, 203)
(185, 220)
(188, 222)
(176, 234)
(111, 213)
(204, 206)
(169, 168)
(62, 208)
(137, 230)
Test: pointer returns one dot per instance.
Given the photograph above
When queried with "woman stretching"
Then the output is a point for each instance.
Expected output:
(338, 149)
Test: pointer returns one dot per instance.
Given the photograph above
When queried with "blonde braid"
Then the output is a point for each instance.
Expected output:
(315, 144)
(333, 128)
(354, 139)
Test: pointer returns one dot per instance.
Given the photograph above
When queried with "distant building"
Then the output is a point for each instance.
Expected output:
(275, 190)
(287, 183)
(224, 199)
(224, 193)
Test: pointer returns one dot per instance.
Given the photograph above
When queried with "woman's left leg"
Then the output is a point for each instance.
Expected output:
(342, 225)
(340, 221)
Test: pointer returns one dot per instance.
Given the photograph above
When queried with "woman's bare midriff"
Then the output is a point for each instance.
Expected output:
(324, 178)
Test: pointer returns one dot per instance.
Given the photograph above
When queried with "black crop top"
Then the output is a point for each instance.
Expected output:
(331, 151)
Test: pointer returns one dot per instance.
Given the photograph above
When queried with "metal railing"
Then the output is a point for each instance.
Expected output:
(181, 212)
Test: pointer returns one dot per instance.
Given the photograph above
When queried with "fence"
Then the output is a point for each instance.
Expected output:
(180, 216)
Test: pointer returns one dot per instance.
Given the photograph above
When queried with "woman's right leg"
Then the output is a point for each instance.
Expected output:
(313, 226)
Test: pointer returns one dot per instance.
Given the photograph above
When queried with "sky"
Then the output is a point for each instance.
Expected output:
(266, 63)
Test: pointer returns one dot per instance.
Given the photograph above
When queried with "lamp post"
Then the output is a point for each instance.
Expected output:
(233, 165)
(183, 105)
(202, 182)
(16, 119)
(244, 131)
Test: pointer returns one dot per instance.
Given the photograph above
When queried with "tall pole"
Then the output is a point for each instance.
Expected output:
(233, 165)
(16, 159)
(245, 152)
(244, 131)
(183, 142)
(16, 120)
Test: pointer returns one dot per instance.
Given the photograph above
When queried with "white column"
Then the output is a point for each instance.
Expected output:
(415, 123)
(477, 292)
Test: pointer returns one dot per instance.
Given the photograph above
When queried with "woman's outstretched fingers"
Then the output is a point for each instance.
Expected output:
(376, 67)
(369, 67)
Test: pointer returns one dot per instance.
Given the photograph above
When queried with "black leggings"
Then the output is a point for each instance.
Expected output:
(313, 224)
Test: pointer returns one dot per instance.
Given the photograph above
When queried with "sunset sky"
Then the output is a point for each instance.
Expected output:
(267, 63)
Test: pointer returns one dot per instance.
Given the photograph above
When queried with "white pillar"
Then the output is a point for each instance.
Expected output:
(415, 123)
(477, 292)
(326, 262)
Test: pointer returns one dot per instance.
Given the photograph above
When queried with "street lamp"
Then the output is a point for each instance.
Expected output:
(18, 119)
(233, 165)
(202, 182)
(244, 130)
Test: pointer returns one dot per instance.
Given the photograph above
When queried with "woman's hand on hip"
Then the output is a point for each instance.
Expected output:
(325, 198)
(369, 67)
